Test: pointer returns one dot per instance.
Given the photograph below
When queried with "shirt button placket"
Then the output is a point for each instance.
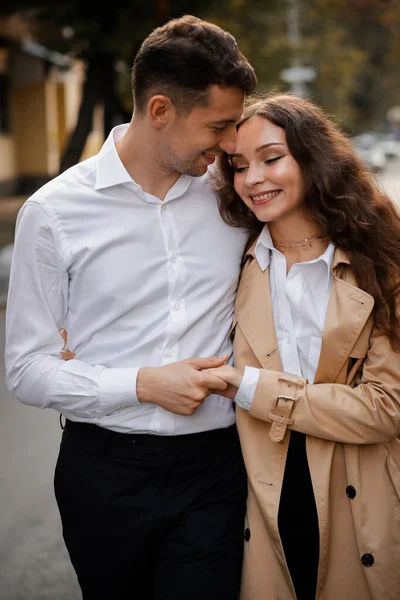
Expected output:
(172, 254)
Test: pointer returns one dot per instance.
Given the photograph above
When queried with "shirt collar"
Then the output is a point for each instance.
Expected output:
(263, 248)
(109, 168)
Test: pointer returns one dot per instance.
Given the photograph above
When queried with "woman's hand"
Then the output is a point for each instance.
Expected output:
(65, 354)
(233, 377)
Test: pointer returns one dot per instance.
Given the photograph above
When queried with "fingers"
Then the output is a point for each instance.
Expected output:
(216, 383)
(209, 362)
(227, 373)
(230, 392)
(221, 371)
(66, 355)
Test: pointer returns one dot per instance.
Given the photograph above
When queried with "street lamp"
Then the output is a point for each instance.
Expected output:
(297, 75)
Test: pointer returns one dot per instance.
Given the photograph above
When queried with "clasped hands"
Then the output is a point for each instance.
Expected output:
(181, 387)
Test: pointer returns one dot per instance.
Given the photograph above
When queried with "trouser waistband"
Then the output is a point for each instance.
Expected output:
(93, 434)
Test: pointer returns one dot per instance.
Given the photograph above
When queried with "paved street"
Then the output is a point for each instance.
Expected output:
(33, 561)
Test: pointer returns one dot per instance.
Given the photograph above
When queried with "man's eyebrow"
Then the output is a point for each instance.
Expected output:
(259, 149)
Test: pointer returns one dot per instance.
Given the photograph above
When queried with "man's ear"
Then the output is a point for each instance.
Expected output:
(161, 111)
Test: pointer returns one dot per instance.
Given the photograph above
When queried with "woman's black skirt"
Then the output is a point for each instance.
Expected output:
(297, 520)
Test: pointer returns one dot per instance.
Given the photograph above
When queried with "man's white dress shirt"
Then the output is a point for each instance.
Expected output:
(136, 282)
(299, 304)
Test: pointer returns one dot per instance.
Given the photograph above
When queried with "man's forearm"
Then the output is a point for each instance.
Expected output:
(71, 387)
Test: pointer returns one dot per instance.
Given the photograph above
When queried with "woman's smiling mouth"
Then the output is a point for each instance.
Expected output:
(263, 197)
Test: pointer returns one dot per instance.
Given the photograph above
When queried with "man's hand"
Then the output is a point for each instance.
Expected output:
(181, 387)
(232, 377)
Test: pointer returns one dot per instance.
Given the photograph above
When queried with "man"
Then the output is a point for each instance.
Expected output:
(128, 252)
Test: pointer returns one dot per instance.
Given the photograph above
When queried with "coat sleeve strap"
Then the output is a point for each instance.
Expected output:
(280, 416)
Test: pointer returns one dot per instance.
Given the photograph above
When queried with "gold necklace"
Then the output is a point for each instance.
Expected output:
(302, 243)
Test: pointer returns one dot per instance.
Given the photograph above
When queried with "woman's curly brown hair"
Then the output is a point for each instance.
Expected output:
(341, 194)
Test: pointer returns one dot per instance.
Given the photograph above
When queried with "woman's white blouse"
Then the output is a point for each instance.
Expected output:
(299, 305)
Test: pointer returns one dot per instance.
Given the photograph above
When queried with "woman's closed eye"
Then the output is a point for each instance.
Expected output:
(239, 168)
(272, 160)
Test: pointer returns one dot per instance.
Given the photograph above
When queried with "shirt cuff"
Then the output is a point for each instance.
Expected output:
(117, 389)
(245, 394)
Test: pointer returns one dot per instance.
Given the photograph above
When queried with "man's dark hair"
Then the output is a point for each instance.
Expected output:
(182, 58)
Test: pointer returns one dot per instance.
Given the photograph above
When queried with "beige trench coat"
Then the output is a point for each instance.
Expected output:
(352, 421)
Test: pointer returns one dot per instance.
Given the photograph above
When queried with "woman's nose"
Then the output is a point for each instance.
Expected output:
(255, 174)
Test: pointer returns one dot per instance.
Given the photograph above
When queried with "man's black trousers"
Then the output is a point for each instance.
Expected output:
(150, 517)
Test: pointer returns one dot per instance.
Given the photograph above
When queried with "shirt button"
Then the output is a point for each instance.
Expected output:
(169, 352)
(163, 207)
(174, 256)
(351, 492)
(177, 306)
(367, 560)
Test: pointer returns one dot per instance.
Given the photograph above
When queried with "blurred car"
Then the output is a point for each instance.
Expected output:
(369, 149)
(374, 158)
(390, 146)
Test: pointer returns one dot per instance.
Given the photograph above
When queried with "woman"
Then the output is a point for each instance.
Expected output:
(316, 345)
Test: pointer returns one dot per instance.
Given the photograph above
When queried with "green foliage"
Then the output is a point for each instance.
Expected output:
(353, 46)
(356, 49)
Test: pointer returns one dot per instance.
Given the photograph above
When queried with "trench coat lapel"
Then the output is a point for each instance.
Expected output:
(349, 308)
(253, 311)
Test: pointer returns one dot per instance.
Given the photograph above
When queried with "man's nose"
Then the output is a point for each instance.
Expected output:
(228, 142)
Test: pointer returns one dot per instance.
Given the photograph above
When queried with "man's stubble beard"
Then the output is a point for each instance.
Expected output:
(167, 161)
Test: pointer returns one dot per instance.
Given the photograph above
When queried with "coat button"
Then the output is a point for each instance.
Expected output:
(351, 492)
(247, 534)
(367, 560)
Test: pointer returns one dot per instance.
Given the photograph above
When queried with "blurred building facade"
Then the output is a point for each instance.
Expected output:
(40, 94)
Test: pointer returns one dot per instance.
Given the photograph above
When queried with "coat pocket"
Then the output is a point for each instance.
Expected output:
(394, 474)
